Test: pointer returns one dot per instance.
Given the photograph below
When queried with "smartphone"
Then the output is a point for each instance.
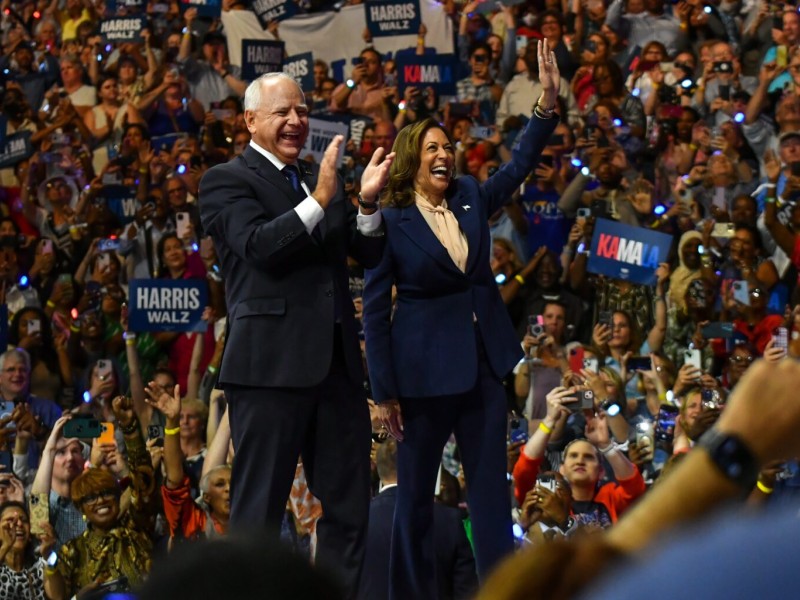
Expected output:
(555, 140)
(107, 437)
(781, 56)
(220, 114)
(39, 505)
(645, 439)
(83, 427)
(480, 133)
(709, 400)
(547, 481)
(356, 61)
(639, 363)
(6, 462)
(546, 160)
(155, 432)
(665, 423)
(34, 326)
(693, 357)
(741, 292)
(460, 109)
(182, 220)
(717, 330)
(723, 230)
(781, 337)
(521, 43)
(606, 317)
(582, 400)
(795, 168)
(108, 245)
(103, 369)
(47, 246)
(666, 67)
(535, 327)
(591, 364)
(725, 92)
(777, 22)
(111, 179)
(517, 429)
(576, 356)
(724, 66)
(584, 213)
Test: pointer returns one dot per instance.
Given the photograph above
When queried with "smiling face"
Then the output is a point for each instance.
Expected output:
(280, 123)
(101, 508)
(16, 521)
(13, 378)
(435, 164)
(174, 256)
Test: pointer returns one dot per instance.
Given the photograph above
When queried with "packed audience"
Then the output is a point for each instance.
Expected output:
(679, 124)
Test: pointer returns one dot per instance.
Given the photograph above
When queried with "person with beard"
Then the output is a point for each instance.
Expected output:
(21, 69)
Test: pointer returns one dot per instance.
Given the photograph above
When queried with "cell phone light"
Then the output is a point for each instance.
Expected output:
(686, 83)
(636, 92)
(23, 281)
(585, 171)
(195, 247)
(74, 314)
(401, 105)
(670, 397)
(617, 122)
(181, 169)
(108, 47)
(612, 410)
(6, 71)
(738, 117)
(581, 247)
(99, 58)
(707, 10)
(643, 426)
(659, 210)
(87, 397)
(500, 278)
(518, 531)
(576, 162)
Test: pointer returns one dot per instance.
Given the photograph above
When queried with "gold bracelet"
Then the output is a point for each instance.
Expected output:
(173, 431)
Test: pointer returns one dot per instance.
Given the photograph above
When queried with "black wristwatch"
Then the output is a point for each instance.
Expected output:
(731, 456)
(368, 205)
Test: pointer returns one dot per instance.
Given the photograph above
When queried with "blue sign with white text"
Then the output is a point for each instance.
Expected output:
(205, 8)
(301, 67)
(167, 305)
(260, 57)
(121, 200)
(627, 252)
(436, 71)
(392, 17)
(273, 10)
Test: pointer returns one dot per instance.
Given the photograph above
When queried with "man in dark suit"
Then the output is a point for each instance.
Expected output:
(454, 563)
(292, 370)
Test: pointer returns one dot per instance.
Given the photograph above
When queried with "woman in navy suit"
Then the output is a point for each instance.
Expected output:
(436, 364)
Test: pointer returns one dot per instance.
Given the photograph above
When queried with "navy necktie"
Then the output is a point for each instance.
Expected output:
(291, 173)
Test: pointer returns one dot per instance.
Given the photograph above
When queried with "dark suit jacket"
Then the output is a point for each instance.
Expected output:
(428, 347)
(455, 565)
(279, 281)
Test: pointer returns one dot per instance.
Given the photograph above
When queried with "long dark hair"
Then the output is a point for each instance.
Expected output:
(399, 192)
(46, 353)
(30, 555)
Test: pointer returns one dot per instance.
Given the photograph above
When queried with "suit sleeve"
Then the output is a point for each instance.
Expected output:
(499, 187)
(377, 319)
(230, 210)
(366, 249)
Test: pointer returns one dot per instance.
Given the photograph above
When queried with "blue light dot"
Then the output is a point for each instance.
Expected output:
(23, 281)
(585, 171)
(617, 122)
(738, 117)
(636, 92)
(659, 209)
(576, 162)
(87, 397)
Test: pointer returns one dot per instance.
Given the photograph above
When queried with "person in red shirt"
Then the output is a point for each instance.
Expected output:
(581, 466)
(752, 321)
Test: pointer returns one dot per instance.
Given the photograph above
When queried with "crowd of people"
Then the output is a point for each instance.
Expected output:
(680, 119)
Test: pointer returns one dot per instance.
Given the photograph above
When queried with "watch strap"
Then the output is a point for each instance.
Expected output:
(731, 455)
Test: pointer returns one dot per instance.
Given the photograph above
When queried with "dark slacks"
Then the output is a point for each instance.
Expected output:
(479, 421)
(328, 425)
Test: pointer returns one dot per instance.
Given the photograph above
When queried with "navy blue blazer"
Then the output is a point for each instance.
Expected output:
(280, 282)
(455, 564)
(428, 347)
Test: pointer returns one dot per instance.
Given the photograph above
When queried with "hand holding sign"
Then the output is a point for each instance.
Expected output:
(327, 180)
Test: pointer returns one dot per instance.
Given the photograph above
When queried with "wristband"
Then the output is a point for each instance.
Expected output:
(50, 304)
(173, 431)
(128, 335)
(612, 447)
(540, 113)
(544, 428)
(143, 171)
(771, 199)
(520, 279)
(74, 329)
(763, 488)
(364, 204)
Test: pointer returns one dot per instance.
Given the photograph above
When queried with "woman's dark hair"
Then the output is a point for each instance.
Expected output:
(616, 76)
(636, 338)
(47, 352)
(140, 126)
(102, 79)
(163, 272)
(30, 555)
(400, 190)
(754, 233)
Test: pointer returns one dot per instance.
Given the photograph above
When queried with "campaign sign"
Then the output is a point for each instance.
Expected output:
(356, 125)
(435, 70)
(167, 305)
(320, 134)
(205, 8)
(301, 67)
(121, 200)
(122, 29)
(164, 143)
(627, 252)
(259, 57)
(3, 129)
(18, 147)
(392, 17)
(273, 10)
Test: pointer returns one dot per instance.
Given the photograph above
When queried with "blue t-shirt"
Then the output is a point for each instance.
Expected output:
(547, 225)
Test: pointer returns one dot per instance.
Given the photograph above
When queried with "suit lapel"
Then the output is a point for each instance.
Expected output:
(416, 227)
(469, 222)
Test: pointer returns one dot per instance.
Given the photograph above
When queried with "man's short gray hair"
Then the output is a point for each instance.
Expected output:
(252, 95)
(17, 353)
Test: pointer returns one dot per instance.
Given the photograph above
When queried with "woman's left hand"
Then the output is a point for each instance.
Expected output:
(47, 540)
(549, 75)
(376, 174)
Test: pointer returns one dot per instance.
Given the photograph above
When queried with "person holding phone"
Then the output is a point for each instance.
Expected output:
(21, 566)
(365, 92)
(437, 241)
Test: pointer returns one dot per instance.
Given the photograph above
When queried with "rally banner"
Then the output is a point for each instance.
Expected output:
(431, 70)
(167, 305)
(320, 134)
(165, 143)
(205, 8)
(121, 200)
(301, 68)
(273, 10)
(17, 147)
(627, 252)
(336, 36)
(259, 57)
(122, 29)
(355, 124)
(392, 17)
